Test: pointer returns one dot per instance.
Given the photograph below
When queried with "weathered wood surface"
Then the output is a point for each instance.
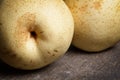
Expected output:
(74, 65)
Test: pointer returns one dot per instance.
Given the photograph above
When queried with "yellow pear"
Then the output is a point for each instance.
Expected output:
(97, 23)
(34, 33)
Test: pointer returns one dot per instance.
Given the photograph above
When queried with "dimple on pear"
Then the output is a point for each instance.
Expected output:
(97, 23)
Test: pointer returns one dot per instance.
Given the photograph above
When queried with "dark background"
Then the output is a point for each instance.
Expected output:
(74, 65)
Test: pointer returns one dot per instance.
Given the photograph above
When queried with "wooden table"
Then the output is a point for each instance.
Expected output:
(74, 65)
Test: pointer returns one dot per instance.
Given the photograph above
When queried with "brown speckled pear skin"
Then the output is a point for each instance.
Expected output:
(97, 23)
(34, 33)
